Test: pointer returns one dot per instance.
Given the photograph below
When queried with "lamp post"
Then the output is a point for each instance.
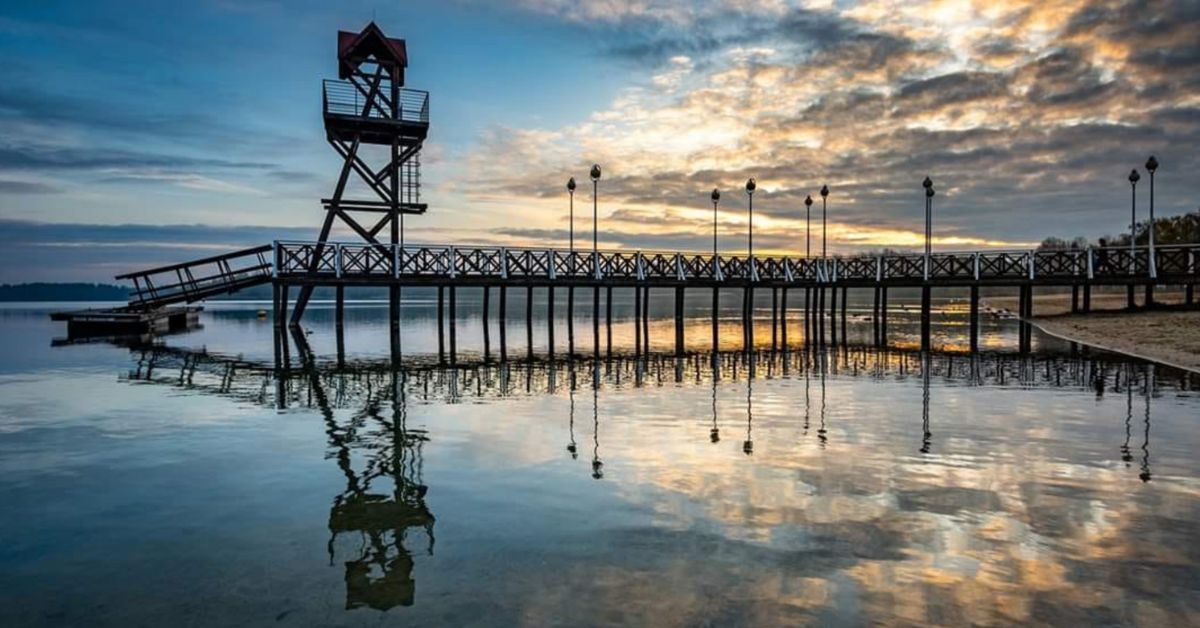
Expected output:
(1134, 177)
(751, 185)
(716, 198)
(808, 226)
(928, 185)
(571, 229)
(824, 211)
(595, 213)
(1151, 166)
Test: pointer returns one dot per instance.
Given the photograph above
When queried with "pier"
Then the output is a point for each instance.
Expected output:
(378, 127)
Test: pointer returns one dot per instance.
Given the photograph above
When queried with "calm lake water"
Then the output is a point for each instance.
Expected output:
(189, 483)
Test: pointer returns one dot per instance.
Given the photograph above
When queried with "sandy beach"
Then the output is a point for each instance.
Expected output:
(1168, 336)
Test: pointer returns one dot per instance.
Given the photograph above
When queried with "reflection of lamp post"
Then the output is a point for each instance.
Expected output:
(597, 465)
(808, 226)
(751, 185)
(715, 433)
(716, 198)
(748, 444)
(1151, 166)
(824, 210)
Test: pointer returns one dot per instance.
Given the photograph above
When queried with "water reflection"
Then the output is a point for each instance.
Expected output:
(379, 517)
(930, 524)
(360, 382)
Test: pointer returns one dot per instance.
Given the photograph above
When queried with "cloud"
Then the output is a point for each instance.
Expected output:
(1027, 116)
(8, 186)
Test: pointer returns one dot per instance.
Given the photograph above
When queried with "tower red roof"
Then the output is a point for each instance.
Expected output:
(355, 48)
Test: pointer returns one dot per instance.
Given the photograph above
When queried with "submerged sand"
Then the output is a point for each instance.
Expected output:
(1170, 336)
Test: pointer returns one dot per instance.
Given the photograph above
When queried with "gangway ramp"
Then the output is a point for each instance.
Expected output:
(199, 279)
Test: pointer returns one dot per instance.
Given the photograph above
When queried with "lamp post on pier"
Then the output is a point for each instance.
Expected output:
(571, 229)
(716, 198)
(751, 185)
(808, 226)
(595, 174)
(1134, 177)
(824, 211)
(1151, 166)
(928, 185)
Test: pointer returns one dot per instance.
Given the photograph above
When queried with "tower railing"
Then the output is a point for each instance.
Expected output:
(346, 98)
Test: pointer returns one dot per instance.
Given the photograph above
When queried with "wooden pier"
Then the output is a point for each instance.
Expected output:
(368, 105)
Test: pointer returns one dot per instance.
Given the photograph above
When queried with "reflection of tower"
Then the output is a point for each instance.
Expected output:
(379, 572)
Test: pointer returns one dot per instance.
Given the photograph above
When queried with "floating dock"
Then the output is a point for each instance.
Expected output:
(127, 321)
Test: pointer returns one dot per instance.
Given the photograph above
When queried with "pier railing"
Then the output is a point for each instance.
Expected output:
(334, 260)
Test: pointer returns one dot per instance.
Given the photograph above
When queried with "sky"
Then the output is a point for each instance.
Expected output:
(140, 133)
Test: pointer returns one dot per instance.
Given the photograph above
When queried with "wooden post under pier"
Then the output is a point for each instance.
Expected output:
(833, 304)
(926, 314)
(783, 321)
(452, 322)
(441, 326)
(845, 298)
(571, 320)
(596, 320)
(883, 315)
(340, 323)
(679, 321)
(550, 321)
(487, 337)
(503, 315)
(608, 293)
(637, 320)
(529, 321)
(774, 318)
(974, 318)
(716, 313)
(646, 320)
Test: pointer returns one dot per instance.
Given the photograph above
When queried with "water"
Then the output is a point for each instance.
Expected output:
(190, 484)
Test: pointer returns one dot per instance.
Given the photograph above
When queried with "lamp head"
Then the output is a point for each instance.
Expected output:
(571, 184)
(929, 192)
(824, 191)
(595, 172)
(1134, 177)
(1151, 164)
(927, 183)
(716, 195)
(751, 185)
(808, 200)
